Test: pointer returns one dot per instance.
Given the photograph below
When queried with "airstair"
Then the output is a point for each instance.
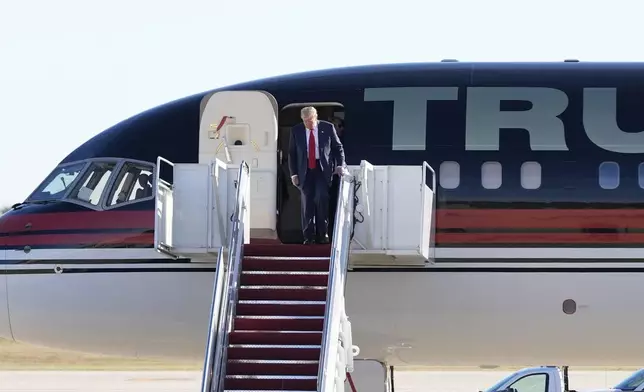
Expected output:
(277, 317)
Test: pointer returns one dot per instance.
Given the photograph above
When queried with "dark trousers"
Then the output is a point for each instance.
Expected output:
(315, 204)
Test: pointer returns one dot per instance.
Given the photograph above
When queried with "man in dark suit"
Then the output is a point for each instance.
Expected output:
(315, 155)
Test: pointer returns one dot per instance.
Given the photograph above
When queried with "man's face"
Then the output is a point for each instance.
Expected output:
(310, 121)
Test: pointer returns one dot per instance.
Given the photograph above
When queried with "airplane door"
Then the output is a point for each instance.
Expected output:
(238, 126)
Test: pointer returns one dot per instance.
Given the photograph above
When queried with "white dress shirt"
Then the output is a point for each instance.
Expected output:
(308, 136)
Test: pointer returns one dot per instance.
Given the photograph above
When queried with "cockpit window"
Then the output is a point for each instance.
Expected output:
(134, 182)
(101, 182)
(632, 382)
(56, 185)
(93, 182)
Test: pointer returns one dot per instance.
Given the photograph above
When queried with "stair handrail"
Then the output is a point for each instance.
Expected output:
(233, 268)
(334, 314)
(215, 308)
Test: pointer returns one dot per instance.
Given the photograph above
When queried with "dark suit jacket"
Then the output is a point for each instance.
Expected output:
(329, 145)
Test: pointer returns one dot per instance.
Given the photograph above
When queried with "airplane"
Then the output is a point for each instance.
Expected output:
(538, 254)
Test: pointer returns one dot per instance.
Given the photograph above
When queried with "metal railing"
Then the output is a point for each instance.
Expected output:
(215, 307)
(336, 285)
(216, 354)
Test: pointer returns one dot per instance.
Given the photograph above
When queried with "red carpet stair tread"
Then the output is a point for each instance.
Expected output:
(277, 333)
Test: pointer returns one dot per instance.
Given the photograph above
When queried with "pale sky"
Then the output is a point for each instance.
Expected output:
(71, 68)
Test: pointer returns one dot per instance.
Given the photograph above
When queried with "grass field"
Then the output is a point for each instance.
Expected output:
(17, 356)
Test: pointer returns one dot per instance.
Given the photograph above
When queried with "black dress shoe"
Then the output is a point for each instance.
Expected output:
(309, 242)
(323, 240)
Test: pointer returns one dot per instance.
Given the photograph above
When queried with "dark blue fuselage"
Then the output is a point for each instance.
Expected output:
(171, 130)
(573, 107)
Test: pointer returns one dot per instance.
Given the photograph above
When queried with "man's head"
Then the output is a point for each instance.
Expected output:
(309, 116)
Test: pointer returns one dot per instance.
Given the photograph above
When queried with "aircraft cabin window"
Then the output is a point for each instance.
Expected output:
(531, 175)
(449, 175)
(55, 186)
(491, 175)
(640, 175)
(608, 175)
(93, 182)
(134, 182)
(531, 383)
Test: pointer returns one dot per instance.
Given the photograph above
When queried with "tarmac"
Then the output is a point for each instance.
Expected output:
(189, 381)
(99, 381)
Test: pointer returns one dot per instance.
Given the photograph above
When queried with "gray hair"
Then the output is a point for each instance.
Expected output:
(308, 111)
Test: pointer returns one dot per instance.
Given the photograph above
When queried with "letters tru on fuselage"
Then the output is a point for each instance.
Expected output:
(485, 119)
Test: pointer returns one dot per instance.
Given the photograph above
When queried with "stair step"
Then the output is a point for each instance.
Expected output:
(279, 309)
(292, 250)
(283, 279)
(275, 368)
(285, 264)
(276, 323)
(274, 352)
(275, 384)
(261, 337)
(276, 340)
(280, 302)
(282, 293)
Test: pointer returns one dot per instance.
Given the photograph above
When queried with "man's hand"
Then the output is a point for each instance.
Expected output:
(341, 171)
(295, 180)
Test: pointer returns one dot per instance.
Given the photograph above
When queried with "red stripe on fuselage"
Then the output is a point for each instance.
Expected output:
(539, 238)
(489, 219)
(97, 240)
(446, 218)
(89, 240)
(88, 220)
(539, 218)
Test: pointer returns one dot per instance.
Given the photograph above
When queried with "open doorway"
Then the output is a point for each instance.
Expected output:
(289, 224)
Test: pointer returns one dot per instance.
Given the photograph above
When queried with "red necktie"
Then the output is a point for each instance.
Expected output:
(312, 164)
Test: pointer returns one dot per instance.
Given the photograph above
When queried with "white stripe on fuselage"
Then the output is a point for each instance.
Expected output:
(452, 255)
(62, 267)
(472, 259)
(85, 254)
(539, 253)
